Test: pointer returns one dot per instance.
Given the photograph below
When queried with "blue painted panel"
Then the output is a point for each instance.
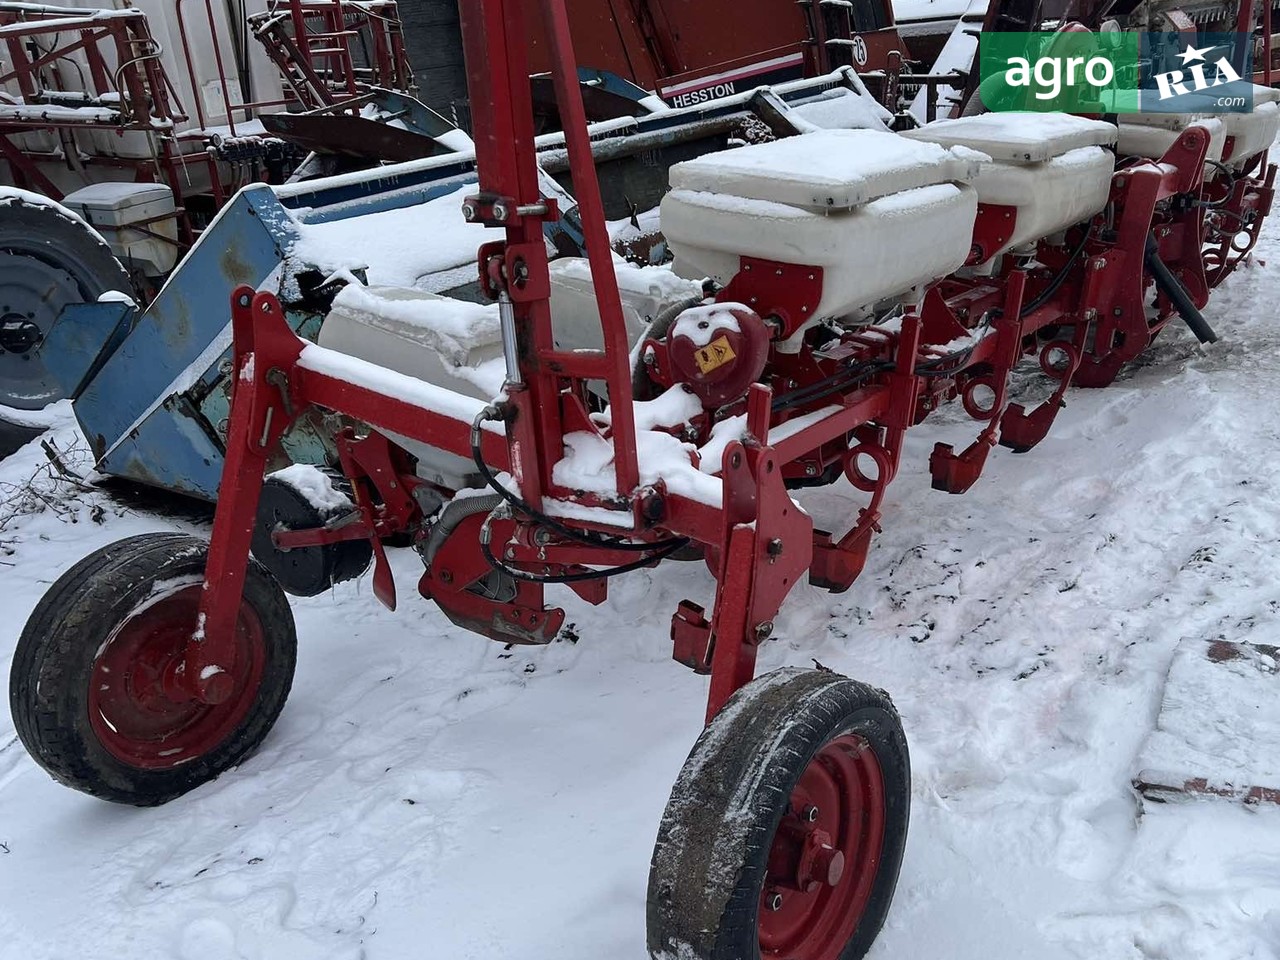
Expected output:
(170, 449)
(82, 338)
(243, 245)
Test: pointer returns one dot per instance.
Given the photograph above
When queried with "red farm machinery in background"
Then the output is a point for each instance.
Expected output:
(329, 51)
(688, 53)
(172, 93)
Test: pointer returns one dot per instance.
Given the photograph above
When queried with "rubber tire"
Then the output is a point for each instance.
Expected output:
(761, 743)
(49, 679)
(45, 233)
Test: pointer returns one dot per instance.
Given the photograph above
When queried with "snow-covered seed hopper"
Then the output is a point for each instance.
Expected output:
(150, 384)
(830, 290)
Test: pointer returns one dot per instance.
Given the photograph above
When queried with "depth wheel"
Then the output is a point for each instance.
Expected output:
(784, 833)
(304, 498)
(92, 688)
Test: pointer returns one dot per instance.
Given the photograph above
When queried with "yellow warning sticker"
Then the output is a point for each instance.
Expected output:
(715, 354)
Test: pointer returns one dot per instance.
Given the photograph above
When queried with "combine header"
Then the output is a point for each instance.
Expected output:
(849, 283)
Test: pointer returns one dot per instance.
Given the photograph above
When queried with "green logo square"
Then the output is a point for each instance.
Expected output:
(1067, 71)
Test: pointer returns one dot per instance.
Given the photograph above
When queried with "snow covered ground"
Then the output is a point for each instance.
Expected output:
(429, 794)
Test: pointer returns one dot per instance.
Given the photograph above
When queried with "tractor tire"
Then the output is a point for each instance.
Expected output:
(88, 689)
(48, 260)
(784, 833)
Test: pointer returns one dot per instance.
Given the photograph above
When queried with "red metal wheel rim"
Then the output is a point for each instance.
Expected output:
(841, 795)
(136, 709)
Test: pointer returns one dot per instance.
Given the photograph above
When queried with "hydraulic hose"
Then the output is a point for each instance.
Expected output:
(453, 515)
(1168, 284)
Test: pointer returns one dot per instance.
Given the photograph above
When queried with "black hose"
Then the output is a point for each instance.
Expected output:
(1043, 297)
(1168, 284)
(642, 387)
(453, 515)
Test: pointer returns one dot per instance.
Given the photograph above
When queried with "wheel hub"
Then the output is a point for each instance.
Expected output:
(825, 855)
(139, 705)
(804, 857)
(18, 334)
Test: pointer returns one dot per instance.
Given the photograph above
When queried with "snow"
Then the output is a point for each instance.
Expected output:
(1019, 137)
(429, 793)
(672, 408)
(1223, 720)
(453, 328)
(398, 246)
(656, 283)
(242, 128)
(411, 390)
(958, 53)
(9, 194)
(725, 432)
(827, 168)
(117, 296)
(911, 10)
(56, 414)
(841, 109)
(315, 486)
(588, 465)
(701, 325)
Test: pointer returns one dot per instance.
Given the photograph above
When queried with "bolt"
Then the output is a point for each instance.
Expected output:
(774, 549)
(469, 212)
(778, 272)
(810, 469)
(1117, 312)
(500, 211)
(773, 901)
(764, 631)
(747, 268)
